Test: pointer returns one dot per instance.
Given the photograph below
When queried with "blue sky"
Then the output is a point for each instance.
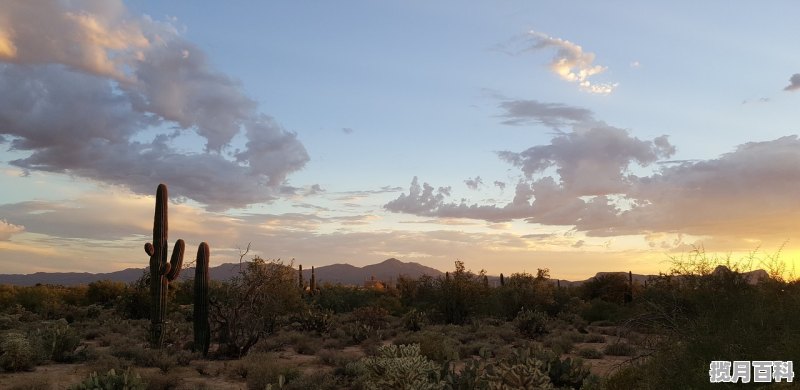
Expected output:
(626, 132)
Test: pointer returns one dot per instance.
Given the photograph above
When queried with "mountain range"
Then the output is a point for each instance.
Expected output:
(387, 271)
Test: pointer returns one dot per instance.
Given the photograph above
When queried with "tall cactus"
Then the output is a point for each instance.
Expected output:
(629, 291)
(313, 282)
(300, 282)
(161, 271)
(202, 331)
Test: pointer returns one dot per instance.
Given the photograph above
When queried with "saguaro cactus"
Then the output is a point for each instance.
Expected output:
(300, 282)
(202, 331)
(629, 291)
(161, 271)
(313, 282)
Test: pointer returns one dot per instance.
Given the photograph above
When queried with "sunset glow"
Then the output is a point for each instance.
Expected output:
(509, 135)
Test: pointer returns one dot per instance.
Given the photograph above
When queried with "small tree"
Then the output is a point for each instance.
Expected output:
(249, 306)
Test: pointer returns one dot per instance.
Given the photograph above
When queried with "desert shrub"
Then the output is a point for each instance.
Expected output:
(8, 321)
(38, 383)
(317, 380)
(600, 310)
(16, 352)
(594, 338)
(559, 344)
(315, 319)
(532, 323)
(55, 340)
(112, 380)
(620, 349)
(105, 292)
(370, 346)
(397, 367)
(162, 359)
(263, 369)
(480, 347)
(358, 332)
(336, 358)
(162, 381)
(567, 373)
(248, 306)
(308, 345)
(372, 316)
(436, 346)
(106, 362)
(590, 353)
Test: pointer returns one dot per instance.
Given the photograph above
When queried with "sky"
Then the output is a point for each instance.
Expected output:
(511, 135)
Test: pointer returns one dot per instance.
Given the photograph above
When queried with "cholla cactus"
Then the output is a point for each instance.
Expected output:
(17, 352)
(398, 367)
(521, 371)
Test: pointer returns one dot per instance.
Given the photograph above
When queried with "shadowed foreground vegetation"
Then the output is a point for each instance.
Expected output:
(269, 330)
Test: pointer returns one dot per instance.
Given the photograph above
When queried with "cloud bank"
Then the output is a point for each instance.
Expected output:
(89, 89)
(586, 179)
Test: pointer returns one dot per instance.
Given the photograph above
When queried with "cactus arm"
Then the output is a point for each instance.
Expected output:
(175, 263)
(149, 249)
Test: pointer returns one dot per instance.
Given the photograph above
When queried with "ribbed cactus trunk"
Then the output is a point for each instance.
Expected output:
(300, 282)
(202, 330)
(161, 271)
(629, 292)
(313, 282)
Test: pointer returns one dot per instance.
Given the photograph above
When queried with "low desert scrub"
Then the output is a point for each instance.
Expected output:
(260, 370)
(317, 380)
(620, 349)
(559, 344)
(594, 338)
(337, 358)
(39, 383)
(590, 353)
(128, 380)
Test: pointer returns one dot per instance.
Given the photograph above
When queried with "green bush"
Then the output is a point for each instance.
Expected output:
(56, 341)
(112, 380)
(414, 320)
(532, 323)
(17, 353)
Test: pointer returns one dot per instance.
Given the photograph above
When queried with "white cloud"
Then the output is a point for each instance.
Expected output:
(570, 62)
(8, 229)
